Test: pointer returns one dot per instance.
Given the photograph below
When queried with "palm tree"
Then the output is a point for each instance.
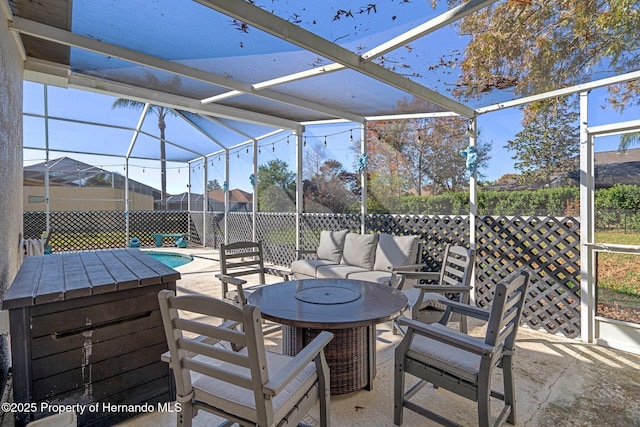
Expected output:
(161, 113)
(628, 139)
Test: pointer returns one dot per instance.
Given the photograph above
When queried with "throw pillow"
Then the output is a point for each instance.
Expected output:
(331, 244)
(360, 250)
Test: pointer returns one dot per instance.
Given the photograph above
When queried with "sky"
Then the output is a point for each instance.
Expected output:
(496, 127)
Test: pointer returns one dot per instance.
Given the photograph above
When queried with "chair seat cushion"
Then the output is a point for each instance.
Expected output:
(336, 271)
(383, 277)
(431, 300)
(240, 401)
(445, 357)
(308, 266)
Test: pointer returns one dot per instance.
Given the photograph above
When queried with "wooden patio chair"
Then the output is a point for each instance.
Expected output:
(427, 301)
(251, 386)
(243, 259)
(461, 363)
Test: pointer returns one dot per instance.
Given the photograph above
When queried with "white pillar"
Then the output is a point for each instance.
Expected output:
(226, 197)
(205, 202)
(473, 201)
(587, 228)
(254, 235)
(363, 179)
(47, 193)
(299, 184)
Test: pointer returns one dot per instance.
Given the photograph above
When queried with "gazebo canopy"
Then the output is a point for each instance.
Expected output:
(242, 70)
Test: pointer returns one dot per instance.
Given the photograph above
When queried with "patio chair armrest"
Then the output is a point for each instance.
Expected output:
(443, 288)
(277, 272)
(421, 275)
(300, 252)
(408, 268)
(467, 310)
(446, 335)
(225, 278)
(297, 364)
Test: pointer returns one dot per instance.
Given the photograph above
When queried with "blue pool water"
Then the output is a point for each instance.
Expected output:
(171, 259)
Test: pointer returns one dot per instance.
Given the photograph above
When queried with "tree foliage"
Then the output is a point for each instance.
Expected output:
(276, 186)
(548, 147)
(332, 189)
(418, 155)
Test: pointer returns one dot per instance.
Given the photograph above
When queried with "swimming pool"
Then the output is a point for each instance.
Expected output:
(171, 259)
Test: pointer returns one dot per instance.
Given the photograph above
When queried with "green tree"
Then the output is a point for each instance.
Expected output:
(628, 139)
(549, 145)
(276, 186)
(213, 185)
(332, 189)
(161, 113)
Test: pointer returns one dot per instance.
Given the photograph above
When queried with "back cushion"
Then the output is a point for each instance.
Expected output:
(395, 250)
(331, 244)
(360, 250)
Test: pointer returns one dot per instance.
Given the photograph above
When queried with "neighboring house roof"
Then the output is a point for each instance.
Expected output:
(610, 168)
(236, 195)
(68, 172)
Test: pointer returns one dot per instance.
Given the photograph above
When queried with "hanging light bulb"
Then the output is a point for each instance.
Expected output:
(287, 140)
(351, 135)
(247, 150)
(273, 147)
(305, 141)
(325, 140)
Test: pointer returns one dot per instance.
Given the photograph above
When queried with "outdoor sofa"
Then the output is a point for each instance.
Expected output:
(368, 257)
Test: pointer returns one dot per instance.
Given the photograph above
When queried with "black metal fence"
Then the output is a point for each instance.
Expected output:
(548, 247)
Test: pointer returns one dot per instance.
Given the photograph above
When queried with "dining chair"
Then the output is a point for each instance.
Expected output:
(461, 363)
(226, 370)
(452, 282)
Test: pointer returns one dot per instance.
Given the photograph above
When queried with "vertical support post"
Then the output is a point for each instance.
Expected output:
(587, 228)
(363, 179)
(189, 189)
(127, 156)
(473, 202)
(254, 235)
(226, 197)
(205, 201)
(299, 185)
(47, 193)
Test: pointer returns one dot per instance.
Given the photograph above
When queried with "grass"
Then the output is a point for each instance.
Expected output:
(619, 274)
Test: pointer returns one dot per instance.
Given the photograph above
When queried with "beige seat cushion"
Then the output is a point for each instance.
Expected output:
(445, 357)
(238, 400)
(308, 267)
(382, 277)
(360, 250)
(337, 271)
(395, 250)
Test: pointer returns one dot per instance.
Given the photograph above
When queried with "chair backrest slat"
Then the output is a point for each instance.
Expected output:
(223, 334)
(225, 375)
(251, 259)
(214, 352)
(506, 310)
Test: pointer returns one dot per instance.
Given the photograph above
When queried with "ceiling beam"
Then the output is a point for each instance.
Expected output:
(276, 26)
(57, 35)
(111, 88)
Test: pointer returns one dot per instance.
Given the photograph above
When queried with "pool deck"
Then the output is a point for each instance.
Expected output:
(559, 381)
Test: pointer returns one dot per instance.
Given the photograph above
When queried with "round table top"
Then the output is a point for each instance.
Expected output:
(328, 303)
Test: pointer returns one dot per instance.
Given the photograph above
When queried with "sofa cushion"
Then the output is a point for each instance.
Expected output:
(382, 277)
(395, 250)
(308, 266)
(360, 250)
(331, 244)
(337, 271)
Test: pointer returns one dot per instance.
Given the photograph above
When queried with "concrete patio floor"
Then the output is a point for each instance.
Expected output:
(559, 381)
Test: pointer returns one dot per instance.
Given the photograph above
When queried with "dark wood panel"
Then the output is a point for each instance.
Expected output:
(23, 289)
(123, 276)
(98, 275)
(49, 345)
(40, 310)
(96, 352)
(168, 274)
(145, 275)
(85, 376)
(91, 317)
(99, 390)
(75, 277)
(51, 283)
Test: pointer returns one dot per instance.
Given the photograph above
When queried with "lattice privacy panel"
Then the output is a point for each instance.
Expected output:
(196, 228)
(215, 229)
(311, 224)
(278, 234)
(86, 230)
(549, 248)
(240, 226)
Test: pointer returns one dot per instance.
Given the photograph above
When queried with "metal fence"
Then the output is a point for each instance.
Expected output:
(548, 247)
